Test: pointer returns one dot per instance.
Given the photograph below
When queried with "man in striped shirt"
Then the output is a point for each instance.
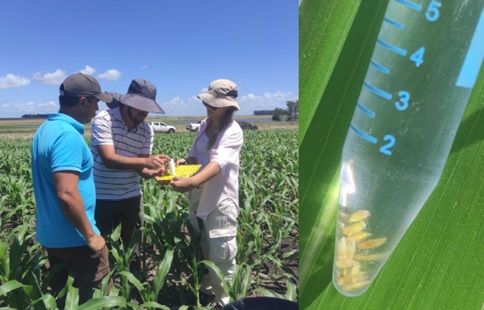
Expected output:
(121, 146)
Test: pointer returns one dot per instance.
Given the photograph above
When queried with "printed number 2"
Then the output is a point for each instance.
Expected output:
(386, 148)
(433, 12)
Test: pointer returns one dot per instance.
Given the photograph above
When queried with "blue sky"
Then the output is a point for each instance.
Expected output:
(180, 46)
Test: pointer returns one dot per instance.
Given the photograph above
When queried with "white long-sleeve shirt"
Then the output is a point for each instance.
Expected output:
(225, 152)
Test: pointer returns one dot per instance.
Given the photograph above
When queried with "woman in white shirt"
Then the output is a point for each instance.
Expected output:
(214, 190)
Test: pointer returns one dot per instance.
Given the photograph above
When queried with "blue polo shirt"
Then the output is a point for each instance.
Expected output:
(59, 145)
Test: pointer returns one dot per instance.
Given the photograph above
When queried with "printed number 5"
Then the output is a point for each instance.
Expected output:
(433, 12)
(386, 148)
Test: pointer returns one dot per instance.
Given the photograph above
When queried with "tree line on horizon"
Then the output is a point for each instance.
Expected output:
(35, 115)
(291, 113)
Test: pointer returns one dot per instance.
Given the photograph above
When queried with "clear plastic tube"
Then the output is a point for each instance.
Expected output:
(424, 65)
(171, 166)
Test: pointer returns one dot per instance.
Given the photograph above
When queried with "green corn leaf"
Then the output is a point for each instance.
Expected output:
(323, 27)
(246, 280)
(106, 302)
(153, 305)
(4, 261)
(267, 293)
(10, 286)
(116, 234)
(162, 272)
(438, 263)
(241, 280)
(16, 251)
(130, 251)
(48, 301)
(105, 283)
(133, 280)
(219, 274)
(72, 299)
(291, 293)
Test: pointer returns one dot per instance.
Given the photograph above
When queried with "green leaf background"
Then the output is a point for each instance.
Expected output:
(439, 263)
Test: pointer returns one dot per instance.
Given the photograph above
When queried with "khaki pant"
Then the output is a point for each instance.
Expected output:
(218, 243)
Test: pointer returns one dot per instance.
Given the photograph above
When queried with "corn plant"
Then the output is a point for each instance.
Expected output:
(435, 265)
(172, 267)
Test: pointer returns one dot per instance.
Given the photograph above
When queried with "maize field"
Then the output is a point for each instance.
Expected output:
(267, 258)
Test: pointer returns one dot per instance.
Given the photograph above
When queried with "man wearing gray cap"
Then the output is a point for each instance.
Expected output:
(64, 189)
(121, 145)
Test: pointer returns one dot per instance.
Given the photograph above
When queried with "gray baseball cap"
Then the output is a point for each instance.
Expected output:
(79, 85)
(141, 95)
(221, 93)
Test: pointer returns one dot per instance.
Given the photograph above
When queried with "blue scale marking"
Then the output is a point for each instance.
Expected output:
(365, 110)
(475, 55)
(377, 91)
(392, 48)
(364, 135)
(410, 4)
(394, 23)
(380, 67)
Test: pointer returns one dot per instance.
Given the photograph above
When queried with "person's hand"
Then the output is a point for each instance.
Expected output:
(96, 243)
(163, 182)
(157, 162)
(151, 173)
(182, 185)
(181, 161)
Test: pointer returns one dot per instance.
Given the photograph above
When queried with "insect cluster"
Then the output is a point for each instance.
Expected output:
(353, 251)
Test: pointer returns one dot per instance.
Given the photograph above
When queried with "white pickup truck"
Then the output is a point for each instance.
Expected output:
(193, 126)
(162, 127)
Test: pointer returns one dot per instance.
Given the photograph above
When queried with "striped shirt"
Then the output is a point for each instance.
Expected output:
(108, 128)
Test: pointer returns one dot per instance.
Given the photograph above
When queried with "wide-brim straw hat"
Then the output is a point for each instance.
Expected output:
(221, 93)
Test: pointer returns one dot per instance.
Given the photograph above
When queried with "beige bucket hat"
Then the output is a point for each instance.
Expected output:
(221, 93)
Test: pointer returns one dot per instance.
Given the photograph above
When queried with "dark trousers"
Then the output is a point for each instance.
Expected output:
(88, 271)
(127, 212)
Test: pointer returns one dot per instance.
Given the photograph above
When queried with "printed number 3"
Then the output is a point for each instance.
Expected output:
(386, 148)
(433, 12)
(402, 105)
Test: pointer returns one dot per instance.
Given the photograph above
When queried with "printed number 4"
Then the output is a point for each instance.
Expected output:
(386, 148)
(418, 56)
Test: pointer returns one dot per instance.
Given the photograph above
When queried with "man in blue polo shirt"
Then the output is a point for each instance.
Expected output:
(64, 188)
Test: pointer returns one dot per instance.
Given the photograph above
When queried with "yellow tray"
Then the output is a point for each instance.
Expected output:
(184, 171)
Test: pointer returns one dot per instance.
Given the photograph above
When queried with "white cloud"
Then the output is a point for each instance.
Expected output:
(19, 109)
(268, 101)
(248, 103)
(88, 70)
(54, 78)
(144, 67)
(177, 106)
(11, 80)
(111, 75)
